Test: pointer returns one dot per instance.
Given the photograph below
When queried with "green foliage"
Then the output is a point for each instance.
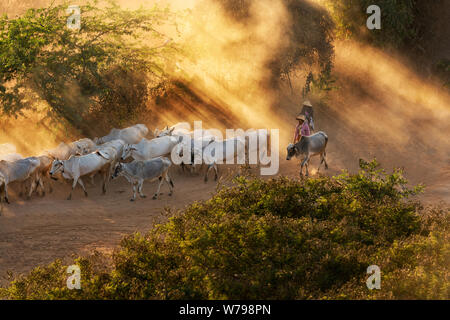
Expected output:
(398, 25)
(274, 239)
(71, 70)
(412, 268)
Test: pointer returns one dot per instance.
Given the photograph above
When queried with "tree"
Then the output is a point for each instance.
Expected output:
(71, 70)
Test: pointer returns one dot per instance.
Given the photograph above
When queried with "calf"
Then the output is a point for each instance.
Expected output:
(137, 172)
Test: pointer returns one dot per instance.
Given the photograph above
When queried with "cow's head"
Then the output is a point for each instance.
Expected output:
(57, 166)
(81, 150)
(291, 151)
(117, 170)
(165, 132)
(98, 141)
(127, 150)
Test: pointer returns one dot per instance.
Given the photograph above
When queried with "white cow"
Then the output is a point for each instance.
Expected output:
(84, 146)
(225, 151)
(62, 152)
(130, 135)
(195, 146)
(43, 172)
(184, 129)
(181, 128)
(79, 166)
(149, 149)
(256, 145)
(20, 171)
(117, 145)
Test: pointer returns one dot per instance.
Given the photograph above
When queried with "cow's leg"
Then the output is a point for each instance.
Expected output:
(303, 164)
(325, 159)
(80, 182)
(6, 193)
(301, 167)
(155, 196)
(216, 172)
(134, 191)
(207, 171)
(74, 184)
(105, 179)
(32, 187)
(320, 163)
(307, 165)
(41, 185)
(92, 177)
(111, 169)
(170, 183)
(141, 184)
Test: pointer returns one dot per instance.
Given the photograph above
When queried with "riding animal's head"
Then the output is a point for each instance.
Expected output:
(291, 151)
(127, 150)
(117, 170)
(57, 166)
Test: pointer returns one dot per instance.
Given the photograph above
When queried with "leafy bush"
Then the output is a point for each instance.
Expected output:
(273, 239)
(398, 18)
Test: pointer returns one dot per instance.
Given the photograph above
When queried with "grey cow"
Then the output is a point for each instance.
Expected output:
(309, 146)
(137, 172)
(20, 170)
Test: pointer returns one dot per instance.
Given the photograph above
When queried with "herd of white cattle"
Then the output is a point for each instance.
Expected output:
(106, 156)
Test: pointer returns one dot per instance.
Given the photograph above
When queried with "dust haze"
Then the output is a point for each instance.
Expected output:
(381, 108)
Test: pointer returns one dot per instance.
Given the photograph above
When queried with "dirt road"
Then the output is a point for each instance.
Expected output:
(36, 232)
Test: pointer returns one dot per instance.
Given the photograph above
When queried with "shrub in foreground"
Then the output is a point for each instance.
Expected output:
(272, 239)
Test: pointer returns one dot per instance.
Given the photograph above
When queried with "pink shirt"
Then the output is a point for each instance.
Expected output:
(305, 129)
(302, 129)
